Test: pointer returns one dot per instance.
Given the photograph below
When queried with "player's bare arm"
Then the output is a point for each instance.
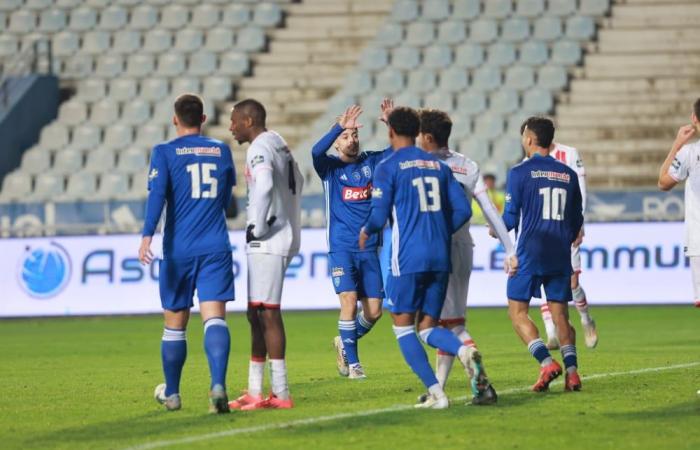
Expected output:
(685, 133)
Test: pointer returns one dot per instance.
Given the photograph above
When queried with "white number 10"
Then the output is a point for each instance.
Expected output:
(207, 179)
(554, 202)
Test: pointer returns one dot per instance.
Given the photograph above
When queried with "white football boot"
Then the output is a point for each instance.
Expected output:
(356, 372)
(590, 334)
(340, 359)
(171, 403)
(429, 401)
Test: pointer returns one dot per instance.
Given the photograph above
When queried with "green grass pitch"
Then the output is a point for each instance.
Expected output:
(88, 383)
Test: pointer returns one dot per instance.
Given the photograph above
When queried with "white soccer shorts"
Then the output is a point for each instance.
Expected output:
(265, 279)
(576, 259)
(455, 307)
(695, 270)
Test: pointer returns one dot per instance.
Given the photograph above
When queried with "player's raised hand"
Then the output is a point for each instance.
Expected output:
(349, 119)
(511, 265)
(386, 107)
(363, 238)
(684, 134)
(145, 254)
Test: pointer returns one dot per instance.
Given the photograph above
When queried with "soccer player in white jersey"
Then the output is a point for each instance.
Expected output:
(273, 236)
(683, 163)
(435, 129)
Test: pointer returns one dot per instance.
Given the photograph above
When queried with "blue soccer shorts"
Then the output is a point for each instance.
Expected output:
(211, 275)
(421, 291)
(523, 287)
(357, 272)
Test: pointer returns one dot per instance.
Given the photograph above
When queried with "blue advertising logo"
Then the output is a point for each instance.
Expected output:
(44, 271)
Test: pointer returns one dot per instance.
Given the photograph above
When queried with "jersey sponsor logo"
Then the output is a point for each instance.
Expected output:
(551, 175)
(257, 159)
(366, 171)
(356, 194)
(459, 169)
(420, 164)
(199, 151)
(676, 164)
(153, 175)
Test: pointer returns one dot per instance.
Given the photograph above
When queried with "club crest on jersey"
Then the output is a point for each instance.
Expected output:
(153, 174)
(356, 194)
(366, 171)
(356, 176)
(337, 272)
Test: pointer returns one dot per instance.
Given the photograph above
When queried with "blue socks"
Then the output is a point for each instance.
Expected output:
(442, 339)
(363, 325)
(414, 354)
(173, 351)
(539, 351)
(568, 352)
(217, 343)
(348, 334)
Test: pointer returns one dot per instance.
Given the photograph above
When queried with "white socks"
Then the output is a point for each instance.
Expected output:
(581, 304)
(549, 326)
(256, 371)
(443, 367)
(278, 375)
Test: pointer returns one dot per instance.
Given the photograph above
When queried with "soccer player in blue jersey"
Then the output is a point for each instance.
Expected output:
(192, 176)
(347, 182)
(544, 206)
(427, 205)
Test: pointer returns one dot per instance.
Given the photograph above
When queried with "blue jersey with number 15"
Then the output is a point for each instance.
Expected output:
(193, 175)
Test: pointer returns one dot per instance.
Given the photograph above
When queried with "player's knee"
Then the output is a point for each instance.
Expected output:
(252, 315)
(373, 312)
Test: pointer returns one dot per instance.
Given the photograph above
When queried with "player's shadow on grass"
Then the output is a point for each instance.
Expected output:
(671, 412)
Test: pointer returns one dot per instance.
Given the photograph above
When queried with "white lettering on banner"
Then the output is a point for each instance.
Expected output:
(634, 263)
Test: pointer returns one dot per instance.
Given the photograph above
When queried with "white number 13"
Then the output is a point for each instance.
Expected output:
(207, 179)
(428, 193)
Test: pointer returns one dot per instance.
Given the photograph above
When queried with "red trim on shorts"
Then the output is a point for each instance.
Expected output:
(441, 353)
(452, 321)
(258, 359)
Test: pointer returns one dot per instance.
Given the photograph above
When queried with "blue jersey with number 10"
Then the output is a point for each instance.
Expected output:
(543, 204)
(193, 175)
(427, 205)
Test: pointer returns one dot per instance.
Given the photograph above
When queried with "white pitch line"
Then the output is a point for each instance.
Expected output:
(372, 412)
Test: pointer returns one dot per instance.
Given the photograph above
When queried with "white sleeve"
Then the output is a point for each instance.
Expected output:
(679, 167)
(260, 194)
(577, 165)
(494, 219)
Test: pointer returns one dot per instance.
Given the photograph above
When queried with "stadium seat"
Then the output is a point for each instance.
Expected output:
(47, 186)
(140, 65)
(452, 32)
(483, 31)
(461, 128)
(112, 18)
(118, 135)
(92, 90)
(580, 28)
(408, 98)
(533, 53)
(515, 29)
(104, 112)
(149, 135)
(101, 160)
(501, 54)
(389, 35)
(72, 112)
(218, 39)
(529, 8)
(143, 18)
(436, 10)
(122, 89)
(81, 185)
(126, 41)
(205, 16)
(471, 102)
(95, 42)
(52, 20)
(65, 43)
(465, 9)
(404, 11)
(182, 85)
(497, 9)
(153, 89)
(251, 39)
(202, 63)
(131, 160)
(405, 58)
(54, 136)
(514, 122)
(36, 160)
(520, 77)
(488, 126)
(188, 40)
(234, 64)
(594, 7)
(109, 66)
(127, 2)
(16, 186)
(504, 101)
(217, 88)
(67, 161)
(157, 41)
(419, 34)
(371, 102)
(174, 17)
(139, 185)
(437, 56)
(548, 28)
(454, 79)
(469, 56)
(10, 5)
(9, 45)
(374, 58)
(112, 185)
(236, 16)
(136, 112)
(422, 81)
(476, 148)
(171, 64)
(86, 137)
(82, 19)
(358, 82)
(22, 21)
(553, 78)
(267, 14)
(389, 81)
(566, 53)
(507, 148)
(68, 4)
(78, 66)
(537, 101)
(163, 113)
(561, 8)
(486, 78)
